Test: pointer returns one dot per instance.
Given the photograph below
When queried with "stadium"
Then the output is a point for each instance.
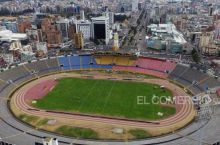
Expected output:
(73, 97)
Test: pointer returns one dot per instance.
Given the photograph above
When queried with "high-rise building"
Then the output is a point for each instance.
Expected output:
(54, 37)
(33, 35)
(63, 27)
(79, 43)
(111, 18)
(85, 28)
(100, 28)
(82, 15)
(23, 26)
(72, 31)
(45, 24)
(11, 26)
(38, 18)
(210, 10)
(140, 5)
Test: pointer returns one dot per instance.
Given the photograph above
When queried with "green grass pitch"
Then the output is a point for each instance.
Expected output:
(106, 98)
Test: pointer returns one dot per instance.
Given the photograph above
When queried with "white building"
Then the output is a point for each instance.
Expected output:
(170, 30)
(8, 58)
(100, 28)
(42, 46)
(7, 35)
(111, 18)
(134, 5)
(85, 28)
(82, 15)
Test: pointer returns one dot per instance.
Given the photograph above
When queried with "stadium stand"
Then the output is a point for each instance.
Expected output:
(86, 62)
(5, 143)
(117, 60)
(15, 74)
(53, 64)
(140, 70)
(155, 64)
(64, 62)
(126, 61)
(150, 66)
(209, 83)
(75, 62)
(40, 67)
(104, 59)
(193, 79)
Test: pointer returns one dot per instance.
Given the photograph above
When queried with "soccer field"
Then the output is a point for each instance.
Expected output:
(106, 98)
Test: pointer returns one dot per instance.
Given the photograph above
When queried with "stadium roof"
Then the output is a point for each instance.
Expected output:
(168, 29)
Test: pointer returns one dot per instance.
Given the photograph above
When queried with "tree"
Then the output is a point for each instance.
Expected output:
(195, 56)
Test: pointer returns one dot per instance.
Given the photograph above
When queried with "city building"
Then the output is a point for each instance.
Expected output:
(13, 26)
(84, 26)
(72, 31)
(82, 15)
(100, 28)
(111, 18)
(79, 43)
(33, 35)
(23, 26)
(38, 18)
(63, 27)
(9, 36)
(165, 37)
(54, 37)
(134, 6)
(45, 24)
(41, 46)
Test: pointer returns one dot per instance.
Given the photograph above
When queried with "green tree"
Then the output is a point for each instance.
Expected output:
(195, 56)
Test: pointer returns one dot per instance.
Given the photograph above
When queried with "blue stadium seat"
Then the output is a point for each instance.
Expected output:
(75, 62)
(64, 62)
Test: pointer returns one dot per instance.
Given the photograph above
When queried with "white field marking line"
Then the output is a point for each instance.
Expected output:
(109, 93)
(81, 104)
